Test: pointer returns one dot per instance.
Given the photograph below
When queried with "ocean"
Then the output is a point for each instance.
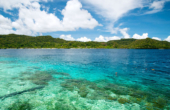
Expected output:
(84, 79)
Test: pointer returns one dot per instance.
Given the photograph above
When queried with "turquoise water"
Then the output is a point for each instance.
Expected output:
(85, 79)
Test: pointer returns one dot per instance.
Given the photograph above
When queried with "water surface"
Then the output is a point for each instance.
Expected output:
(85, 79)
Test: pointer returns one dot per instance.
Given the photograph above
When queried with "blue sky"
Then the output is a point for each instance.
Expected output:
(87, 20)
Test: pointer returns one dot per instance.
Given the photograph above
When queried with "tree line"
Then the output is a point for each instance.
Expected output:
(23, 41)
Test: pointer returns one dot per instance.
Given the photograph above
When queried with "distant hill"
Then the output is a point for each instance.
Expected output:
(23, 41)
(150, 44)
(141, 44)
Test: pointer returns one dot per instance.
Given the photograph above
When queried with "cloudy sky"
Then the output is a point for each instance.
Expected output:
(87, 20)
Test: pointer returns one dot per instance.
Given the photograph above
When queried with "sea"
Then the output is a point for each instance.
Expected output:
(84, 79)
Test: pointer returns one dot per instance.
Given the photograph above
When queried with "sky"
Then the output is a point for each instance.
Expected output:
(87, 20)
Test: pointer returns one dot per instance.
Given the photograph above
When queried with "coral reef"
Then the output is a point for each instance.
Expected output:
(159, 102)
(80, 85)
(20, 106)
(117, 89)
(60, 73)
(136, 100)
(108, 92)
(83, 91)
(61, 106)
(99, 95)
(149, 106)
(123, 100)
(67, 86)
(140, 94)
(39, 78)
(112, 98)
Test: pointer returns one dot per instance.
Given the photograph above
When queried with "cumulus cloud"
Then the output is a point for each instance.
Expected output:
(113, 10)
(168, 39)
(105, 39)
(67, 37)
(84, 39)
(70, 38)
(137, 36)
(75, 17)
(32, 20)
(38, 21)
(112, 38)
(124, 33)
(100, 39)
(5, 25)
(156, 38)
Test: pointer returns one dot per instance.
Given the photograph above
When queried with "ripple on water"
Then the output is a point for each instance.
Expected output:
(85, 80)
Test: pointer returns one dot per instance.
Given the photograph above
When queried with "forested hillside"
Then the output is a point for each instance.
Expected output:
(23, 41)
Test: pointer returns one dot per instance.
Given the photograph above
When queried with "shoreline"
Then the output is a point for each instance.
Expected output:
(87, 48)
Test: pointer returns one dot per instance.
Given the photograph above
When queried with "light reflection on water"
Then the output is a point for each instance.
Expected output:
(108, 78)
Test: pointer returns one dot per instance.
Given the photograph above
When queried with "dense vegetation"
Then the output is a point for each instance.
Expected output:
(23, 41)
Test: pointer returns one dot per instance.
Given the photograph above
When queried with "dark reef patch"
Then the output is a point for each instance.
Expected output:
(60, 73)
(20, 106)
(123, 100)
(38, 78)
(120, 90)
(160, 102)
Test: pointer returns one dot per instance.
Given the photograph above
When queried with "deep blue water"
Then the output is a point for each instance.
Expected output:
(144, 70)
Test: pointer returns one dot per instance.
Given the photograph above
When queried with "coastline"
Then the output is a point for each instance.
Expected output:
(48, 42)
(87, 48)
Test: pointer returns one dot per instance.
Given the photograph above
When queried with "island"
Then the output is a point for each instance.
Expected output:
(23, 41)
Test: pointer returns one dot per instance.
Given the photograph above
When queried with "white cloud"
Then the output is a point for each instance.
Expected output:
(112, 29)
(124, 32)
(5, 25)
(156, 6)
(84, 39)
(32, 20)
(168, 39)
(10, 4)
(144, 36)
(112, 38)
(5, 22)
(67, 37)
(113, 10)
(105, 39)
(156, 38)
(100, 39)
(45, 8)
(75, 17)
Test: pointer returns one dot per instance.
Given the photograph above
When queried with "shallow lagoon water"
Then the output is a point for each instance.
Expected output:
(85, 79)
